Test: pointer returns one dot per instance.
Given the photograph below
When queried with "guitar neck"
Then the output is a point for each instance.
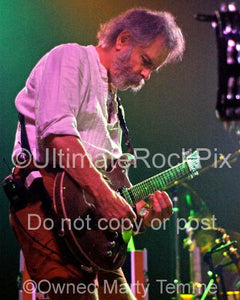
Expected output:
(160, 181)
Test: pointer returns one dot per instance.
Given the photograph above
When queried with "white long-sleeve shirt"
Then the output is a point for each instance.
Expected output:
(67, 93)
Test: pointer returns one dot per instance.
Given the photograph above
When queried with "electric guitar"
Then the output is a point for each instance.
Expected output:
(77, 218)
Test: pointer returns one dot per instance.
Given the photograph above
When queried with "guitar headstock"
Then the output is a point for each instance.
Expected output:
(193, 162)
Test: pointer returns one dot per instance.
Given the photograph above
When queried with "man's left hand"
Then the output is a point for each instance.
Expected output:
(159, 208)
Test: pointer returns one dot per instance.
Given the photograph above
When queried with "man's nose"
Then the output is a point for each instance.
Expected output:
(146, 73)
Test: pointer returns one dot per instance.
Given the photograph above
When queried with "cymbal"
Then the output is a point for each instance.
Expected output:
(207, 240)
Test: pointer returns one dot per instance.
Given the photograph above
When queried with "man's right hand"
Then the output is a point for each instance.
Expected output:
(109, 205)
(112, 207)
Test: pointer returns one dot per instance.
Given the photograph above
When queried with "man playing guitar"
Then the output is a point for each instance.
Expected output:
(70, 111)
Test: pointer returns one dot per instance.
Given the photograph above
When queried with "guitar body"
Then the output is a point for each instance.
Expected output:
(79, 224)
(85, 231)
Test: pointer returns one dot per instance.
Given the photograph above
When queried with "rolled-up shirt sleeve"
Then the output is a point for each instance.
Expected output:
(58, 98)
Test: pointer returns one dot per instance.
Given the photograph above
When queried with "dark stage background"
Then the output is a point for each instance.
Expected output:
(175, 110)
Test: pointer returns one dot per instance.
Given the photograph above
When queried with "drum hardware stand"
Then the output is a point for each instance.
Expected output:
(176, 243)
(193, 255)
(217, 271)
(195, 275)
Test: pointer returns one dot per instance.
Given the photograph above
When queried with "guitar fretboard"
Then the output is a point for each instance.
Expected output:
(158, 182)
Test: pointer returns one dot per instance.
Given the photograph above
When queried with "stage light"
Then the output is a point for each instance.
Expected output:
(226, 23)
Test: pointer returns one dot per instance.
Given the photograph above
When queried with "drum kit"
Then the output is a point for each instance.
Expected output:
(214, 253)
(214, 263)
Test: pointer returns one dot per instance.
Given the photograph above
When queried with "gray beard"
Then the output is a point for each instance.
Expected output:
(122, 76)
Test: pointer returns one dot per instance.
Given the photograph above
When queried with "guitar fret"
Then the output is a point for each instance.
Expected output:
(158, 182)
(161, 181)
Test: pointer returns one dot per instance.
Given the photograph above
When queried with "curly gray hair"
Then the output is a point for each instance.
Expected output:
(145, 25)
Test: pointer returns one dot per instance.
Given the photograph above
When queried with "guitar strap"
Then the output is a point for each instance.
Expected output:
(124, 127)
(26, 151)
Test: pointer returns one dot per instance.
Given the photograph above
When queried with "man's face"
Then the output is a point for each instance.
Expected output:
(132, 65)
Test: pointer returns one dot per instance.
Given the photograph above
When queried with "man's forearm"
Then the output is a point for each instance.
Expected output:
(76, 162)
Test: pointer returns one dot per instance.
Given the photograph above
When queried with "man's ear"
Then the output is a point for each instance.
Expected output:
(123, 39)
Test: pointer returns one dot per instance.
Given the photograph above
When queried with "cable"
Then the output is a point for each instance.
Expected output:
(47, 248)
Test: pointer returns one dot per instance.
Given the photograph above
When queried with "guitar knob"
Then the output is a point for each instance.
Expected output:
(115, 235)
(61, 232)
(112, 244)
(108, 253)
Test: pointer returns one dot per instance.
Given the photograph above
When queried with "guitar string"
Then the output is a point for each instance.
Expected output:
(140, 190)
